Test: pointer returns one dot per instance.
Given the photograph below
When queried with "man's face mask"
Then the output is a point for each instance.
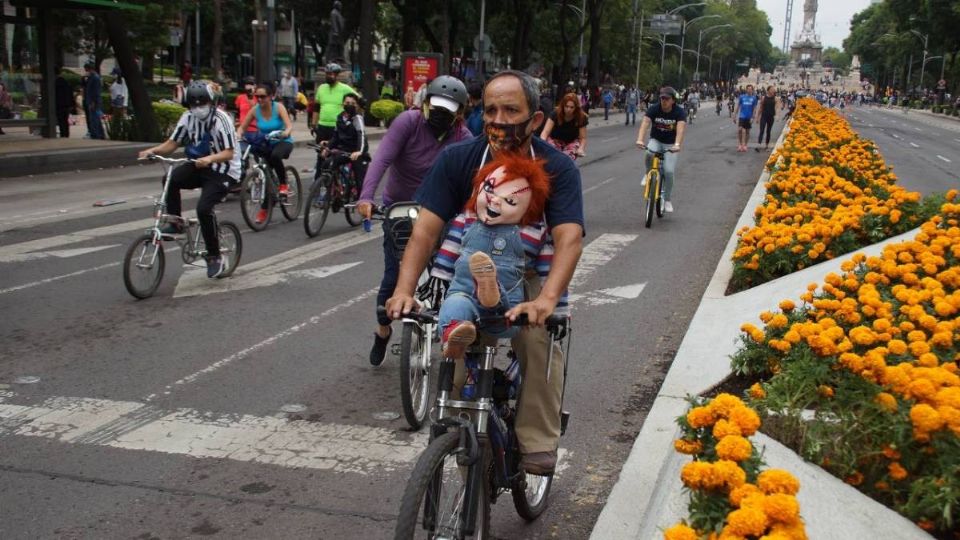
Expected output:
(331, 78)
(440, 120)
(507, 137)
(350, 109)
(202, 112)
(248, 90)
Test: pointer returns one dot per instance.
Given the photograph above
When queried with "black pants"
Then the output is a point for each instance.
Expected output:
(766, 124)
(213, 188)
(324, 133)
(391, 270)
(278, 153)
(63, 122)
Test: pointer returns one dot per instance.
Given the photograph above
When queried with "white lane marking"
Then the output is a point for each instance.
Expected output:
(895, 136)
(943, 158)
(918, 129)
(199, 434)
(66, 253)
(609, 139)
(316, 319)
(194, 282)
(25, 251)
(270, 270)
(614, 295)
(598, 253)
(958, 140)
(915, 145)
(269, 440)
(601, 184)
(71, 274)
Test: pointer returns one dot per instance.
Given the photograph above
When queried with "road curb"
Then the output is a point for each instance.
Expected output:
(648, 495)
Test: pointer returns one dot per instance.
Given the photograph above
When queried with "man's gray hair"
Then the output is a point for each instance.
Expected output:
(531, 88)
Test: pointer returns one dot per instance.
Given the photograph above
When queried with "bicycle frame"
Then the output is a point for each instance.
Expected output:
(654, 166)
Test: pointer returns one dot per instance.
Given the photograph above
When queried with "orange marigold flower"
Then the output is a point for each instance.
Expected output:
(739, 493)
(781, 508)
(725, 428)
(723, 404)
(854, 479)
(887, 401)
(734, 448)
(757, 391)
(897, 472)
(773, 481)
(680, 531)
(688, 447)
(787, 305)
(825, 391)
(746, 419)
(699, 417)
(746, 522)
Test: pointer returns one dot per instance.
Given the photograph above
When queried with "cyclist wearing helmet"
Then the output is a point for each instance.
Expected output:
(329, 98)
(408, 149)
(207, 135)
(350, 139)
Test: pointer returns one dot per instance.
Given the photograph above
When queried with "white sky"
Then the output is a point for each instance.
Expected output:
(833, 19)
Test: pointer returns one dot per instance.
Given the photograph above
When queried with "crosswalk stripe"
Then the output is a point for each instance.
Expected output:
(598, 253)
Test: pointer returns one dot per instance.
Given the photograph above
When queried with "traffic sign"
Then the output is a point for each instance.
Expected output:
(671, 25)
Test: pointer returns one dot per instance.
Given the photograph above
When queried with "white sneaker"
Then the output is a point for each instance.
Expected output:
(643, 181)
(668, 206)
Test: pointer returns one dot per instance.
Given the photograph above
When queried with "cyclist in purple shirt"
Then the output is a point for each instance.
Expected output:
(409, 148)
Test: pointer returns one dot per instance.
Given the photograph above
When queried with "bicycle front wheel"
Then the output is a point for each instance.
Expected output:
(653, 188)
(433, 501)
(317, 205)
(291, 206)
(231, 246)
(143, 266)
(530, 495)
(255, 196)
(414, 374)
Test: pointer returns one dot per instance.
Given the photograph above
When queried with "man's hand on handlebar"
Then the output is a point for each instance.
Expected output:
(641, 145)
(145, 154)
(365, 208)
(355, 156)
(536, 311)
(401, 304)
(203, 163)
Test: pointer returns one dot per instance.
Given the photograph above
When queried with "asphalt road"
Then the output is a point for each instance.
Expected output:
(169, 418)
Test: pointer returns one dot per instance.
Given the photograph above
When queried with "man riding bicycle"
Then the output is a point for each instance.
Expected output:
(666, 122)
(207, 134)
(511, 115)
(692, 104)
(409, 149)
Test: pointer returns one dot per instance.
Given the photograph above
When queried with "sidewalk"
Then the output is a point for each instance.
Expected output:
(649, 496)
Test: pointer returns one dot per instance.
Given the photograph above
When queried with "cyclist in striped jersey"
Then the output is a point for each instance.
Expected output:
(207, 136)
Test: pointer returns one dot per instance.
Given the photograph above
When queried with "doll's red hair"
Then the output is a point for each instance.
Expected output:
(517, 166)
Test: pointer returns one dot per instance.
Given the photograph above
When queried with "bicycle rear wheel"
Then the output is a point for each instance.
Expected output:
(414, 374)
(653, 188)
(291, 207)
(433, 501)
(317, 205)
(350, 196)
(231, 246)
(253, 192)
(531, 495)
(143, 266)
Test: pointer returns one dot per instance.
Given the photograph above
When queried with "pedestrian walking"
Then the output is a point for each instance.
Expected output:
(119, 95)
(63, 96)
(92, 106)
(6, 105)
(766, 113)
(289, 88)
(746, 104)
(607, 103)
(632, 100)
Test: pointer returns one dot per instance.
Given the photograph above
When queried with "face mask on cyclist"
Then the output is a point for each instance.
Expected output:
(201, 112)
(331, 79)
(249, 90)
(440, 120)
(350, 109)
(508, 137)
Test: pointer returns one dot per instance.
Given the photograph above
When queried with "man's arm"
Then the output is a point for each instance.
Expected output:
(568, 245)
(644, 127)
(681, 130)
(419, 249)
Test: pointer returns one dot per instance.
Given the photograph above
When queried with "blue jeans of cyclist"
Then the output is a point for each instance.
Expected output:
(504, 245)
(668, 165)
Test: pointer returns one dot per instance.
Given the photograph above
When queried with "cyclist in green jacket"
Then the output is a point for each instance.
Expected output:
(329, 98)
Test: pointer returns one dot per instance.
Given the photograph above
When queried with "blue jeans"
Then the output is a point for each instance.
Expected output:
(668, 165)
(631, 113)
(504, 245)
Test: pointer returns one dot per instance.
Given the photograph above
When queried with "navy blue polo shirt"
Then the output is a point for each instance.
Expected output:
(449, 183)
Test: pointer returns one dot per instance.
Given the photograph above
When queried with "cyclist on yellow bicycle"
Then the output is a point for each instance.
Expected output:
(666, 122)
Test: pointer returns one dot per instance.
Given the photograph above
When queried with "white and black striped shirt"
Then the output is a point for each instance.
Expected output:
(190, 130)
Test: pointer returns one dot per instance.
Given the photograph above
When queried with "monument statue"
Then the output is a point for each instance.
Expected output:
(334, 50)
(809, 17)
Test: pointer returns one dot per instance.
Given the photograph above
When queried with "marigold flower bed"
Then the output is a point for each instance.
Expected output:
(829, 193)
(730, 498)
(862, 376)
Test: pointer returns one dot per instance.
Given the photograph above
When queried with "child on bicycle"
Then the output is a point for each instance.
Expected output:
(490, 246)
(350, 139)
(208, 137)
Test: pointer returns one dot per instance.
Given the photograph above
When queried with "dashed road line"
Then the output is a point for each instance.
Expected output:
(915, 145)
(943, 158)
(601, 184)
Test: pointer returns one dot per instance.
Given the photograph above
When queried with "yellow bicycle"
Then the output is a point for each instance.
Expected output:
(653, 186)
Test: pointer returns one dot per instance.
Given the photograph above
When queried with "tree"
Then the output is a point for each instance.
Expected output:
(216, 47)
(368, 12)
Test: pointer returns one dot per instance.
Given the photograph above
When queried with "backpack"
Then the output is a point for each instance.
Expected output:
(201, 148)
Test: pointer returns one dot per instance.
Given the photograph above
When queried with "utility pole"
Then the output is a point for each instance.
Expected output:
(196, 35)
(786, 26)
(636, 79)
(271, 39)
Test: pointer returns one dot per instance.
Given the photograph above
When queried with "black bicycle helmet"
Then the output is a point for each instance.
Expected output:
(448, 87)
(249, 80)
(333, 67)
(199, 93)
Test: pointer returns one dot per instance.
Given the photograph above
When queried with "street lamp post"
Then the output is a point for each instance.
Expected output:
(683, 37)
(663, 37)
(696, 71)
(923, 63)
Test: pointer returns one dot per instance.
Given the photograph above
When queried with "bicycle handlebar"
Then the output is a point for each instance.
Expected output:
(155, 157)
(553, 322)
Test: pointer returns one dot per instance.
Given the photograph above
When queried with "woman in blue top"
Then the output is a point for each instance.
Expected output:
(271, 117)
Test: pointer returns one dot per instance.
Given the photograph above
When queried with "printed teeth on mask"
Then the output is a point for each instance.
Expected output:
(492, 213)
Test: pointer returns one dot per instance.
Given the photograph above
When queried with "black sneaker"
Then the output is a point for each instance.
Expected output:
(379, 350)
(215, 267)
